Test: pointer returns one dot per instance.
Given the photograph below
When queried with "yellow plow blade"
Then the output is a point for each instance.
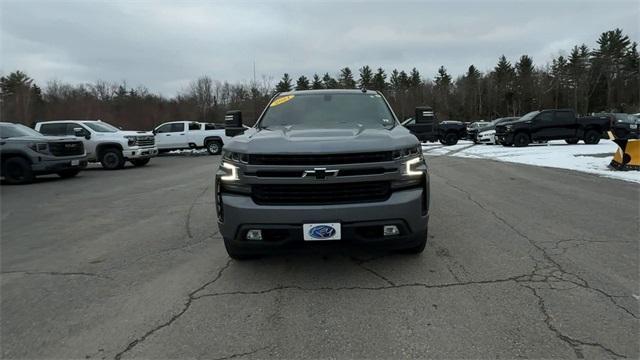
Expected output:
(627, 157)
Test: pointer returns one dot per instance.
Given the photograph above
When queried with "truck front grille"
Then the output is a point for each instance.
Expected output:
(145, 140)
(320, 159)
(500, 130)
(66, 148)
(319, 194)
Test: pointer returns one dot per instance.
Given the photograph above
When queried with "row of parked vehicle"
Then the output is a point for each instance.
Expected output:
(65, 147)
(540, 126)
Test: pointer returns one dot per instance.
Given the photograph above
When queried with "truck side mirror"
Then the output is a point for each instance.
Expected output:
(80, 132)
(233, 123)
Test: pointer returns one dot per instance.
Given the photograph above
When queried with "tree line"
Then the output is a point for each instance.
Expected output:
(603, 78)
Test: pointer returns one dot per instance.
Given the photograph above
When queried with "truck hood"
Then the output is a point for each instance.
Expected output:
(321, 141)
(43, 138)
(128, 133)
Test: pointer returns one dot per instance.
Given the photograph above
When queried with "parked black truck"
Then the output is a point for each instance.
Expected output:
(554, 124)
(425, 127)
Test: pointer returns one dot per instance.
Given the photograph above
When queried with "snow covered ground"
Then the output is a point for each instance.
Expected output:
(558, 154)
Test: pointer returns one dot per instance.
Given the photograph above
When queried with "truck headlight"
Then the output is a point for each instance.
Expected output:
(410, 167)
(508, 127)
(131, 140)
(42, 148)
(231, 172)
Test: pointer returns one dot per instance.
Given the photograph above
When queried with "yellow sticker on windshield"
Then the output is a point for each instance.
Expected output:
(281, 100)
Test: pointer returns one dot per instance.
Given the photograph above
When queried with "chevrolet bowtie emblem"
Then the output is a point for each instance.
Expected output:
(320, 173)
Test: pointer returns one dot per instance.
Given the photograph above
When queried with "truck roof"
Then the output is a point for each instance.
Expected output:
(59, 121)
(329, 91)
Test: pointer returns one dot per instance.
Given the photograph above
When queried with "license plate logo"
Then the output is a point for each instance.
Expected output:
(320, 232)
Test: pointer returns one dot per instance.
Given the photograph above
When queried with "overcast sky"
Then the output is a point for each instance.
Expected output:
(165, 44)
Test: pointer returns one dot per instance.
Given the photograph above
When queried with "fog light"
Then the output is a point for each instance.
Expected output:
(254, 234)
(391, 230)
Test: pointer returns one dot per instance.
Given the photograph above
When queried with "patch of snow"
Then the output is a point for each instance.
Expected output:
(592, 159)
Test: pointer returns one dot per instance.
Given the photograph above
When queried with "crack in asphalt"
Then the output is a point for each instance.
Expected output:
(187, 222)
(360, 264)
(555, 265)
(515, 279)
(582, 282)
(572, 342)
(55, 273)
(191, 297)
(233, 356)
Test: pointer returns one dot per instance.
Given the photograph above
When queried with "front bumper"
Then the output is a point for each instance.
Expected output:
(361, 223)
(504, 138)
(53, 165)
(140, 153)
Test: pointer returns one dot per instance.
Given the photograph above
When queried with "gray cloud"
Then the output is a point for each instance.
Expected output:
(164, 45)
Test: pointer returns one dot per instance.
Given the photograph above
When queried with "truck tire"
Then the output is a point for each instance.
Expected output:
(591, 137)
(17, 170)
(140, 162)
(112, 159)
(236, 253)
(571, 141)
(214, 147)
(450, 138)
(521, 140)
(69, 173)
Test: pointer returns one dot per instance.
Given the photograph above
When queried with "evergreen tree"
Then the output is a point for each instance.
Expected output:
(329, 82)
(379, 80)
(610, 56)
(524, 84)
(302, 83)
(414, 79)
(504, 76)
(285, 84)
(366, 77)
(317, 82)
(443, 91)
(345, 80)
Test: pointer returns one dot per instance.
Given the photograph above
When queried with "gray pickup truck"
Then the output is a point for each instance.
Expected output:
(322, 166)
(25, 153)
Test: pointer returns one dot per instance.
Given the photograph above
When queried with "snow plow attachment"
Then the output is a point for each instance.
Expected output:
(627, 157)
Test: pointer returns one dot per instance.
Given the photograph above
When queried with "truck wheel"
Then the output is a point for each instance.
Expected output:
(417, 249)
(236, 253)
(571, 141)
(591, 137)
(521, 139)
(140, 162)
(112, 159)
(214, 147)
(451, 139)
(69, 173)
(17, 170)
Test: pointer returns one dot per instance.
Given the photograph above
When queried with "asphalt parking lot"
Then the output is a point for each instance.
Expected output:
(521, 261)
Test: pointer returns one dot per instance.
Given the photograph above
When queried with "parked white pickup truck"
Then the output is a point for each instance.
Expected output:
(105, 143)
(177, 135)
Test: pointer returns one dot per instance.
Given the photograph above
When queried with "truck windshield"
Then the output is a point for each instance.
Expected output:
(530, 115)
(16, 130)
(327, 111)
(101, 126)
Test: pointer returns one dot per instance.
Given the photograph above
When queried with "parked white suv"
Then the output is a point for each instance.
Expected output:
(105, 143)
(177, 135)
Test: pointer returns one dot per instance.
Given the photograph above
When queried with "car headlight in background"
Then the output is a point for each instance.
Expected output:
(132, 140)
(42, 148)
(231, 172)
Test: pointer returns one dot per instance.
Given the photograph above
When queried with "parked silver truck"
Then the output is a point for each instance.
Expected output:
(322, 166)
(25, 153)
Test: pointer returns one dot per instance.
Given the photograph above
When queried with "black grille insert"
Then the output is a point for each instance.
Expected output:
(320, 159)
(66, 148)
(320, 194)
